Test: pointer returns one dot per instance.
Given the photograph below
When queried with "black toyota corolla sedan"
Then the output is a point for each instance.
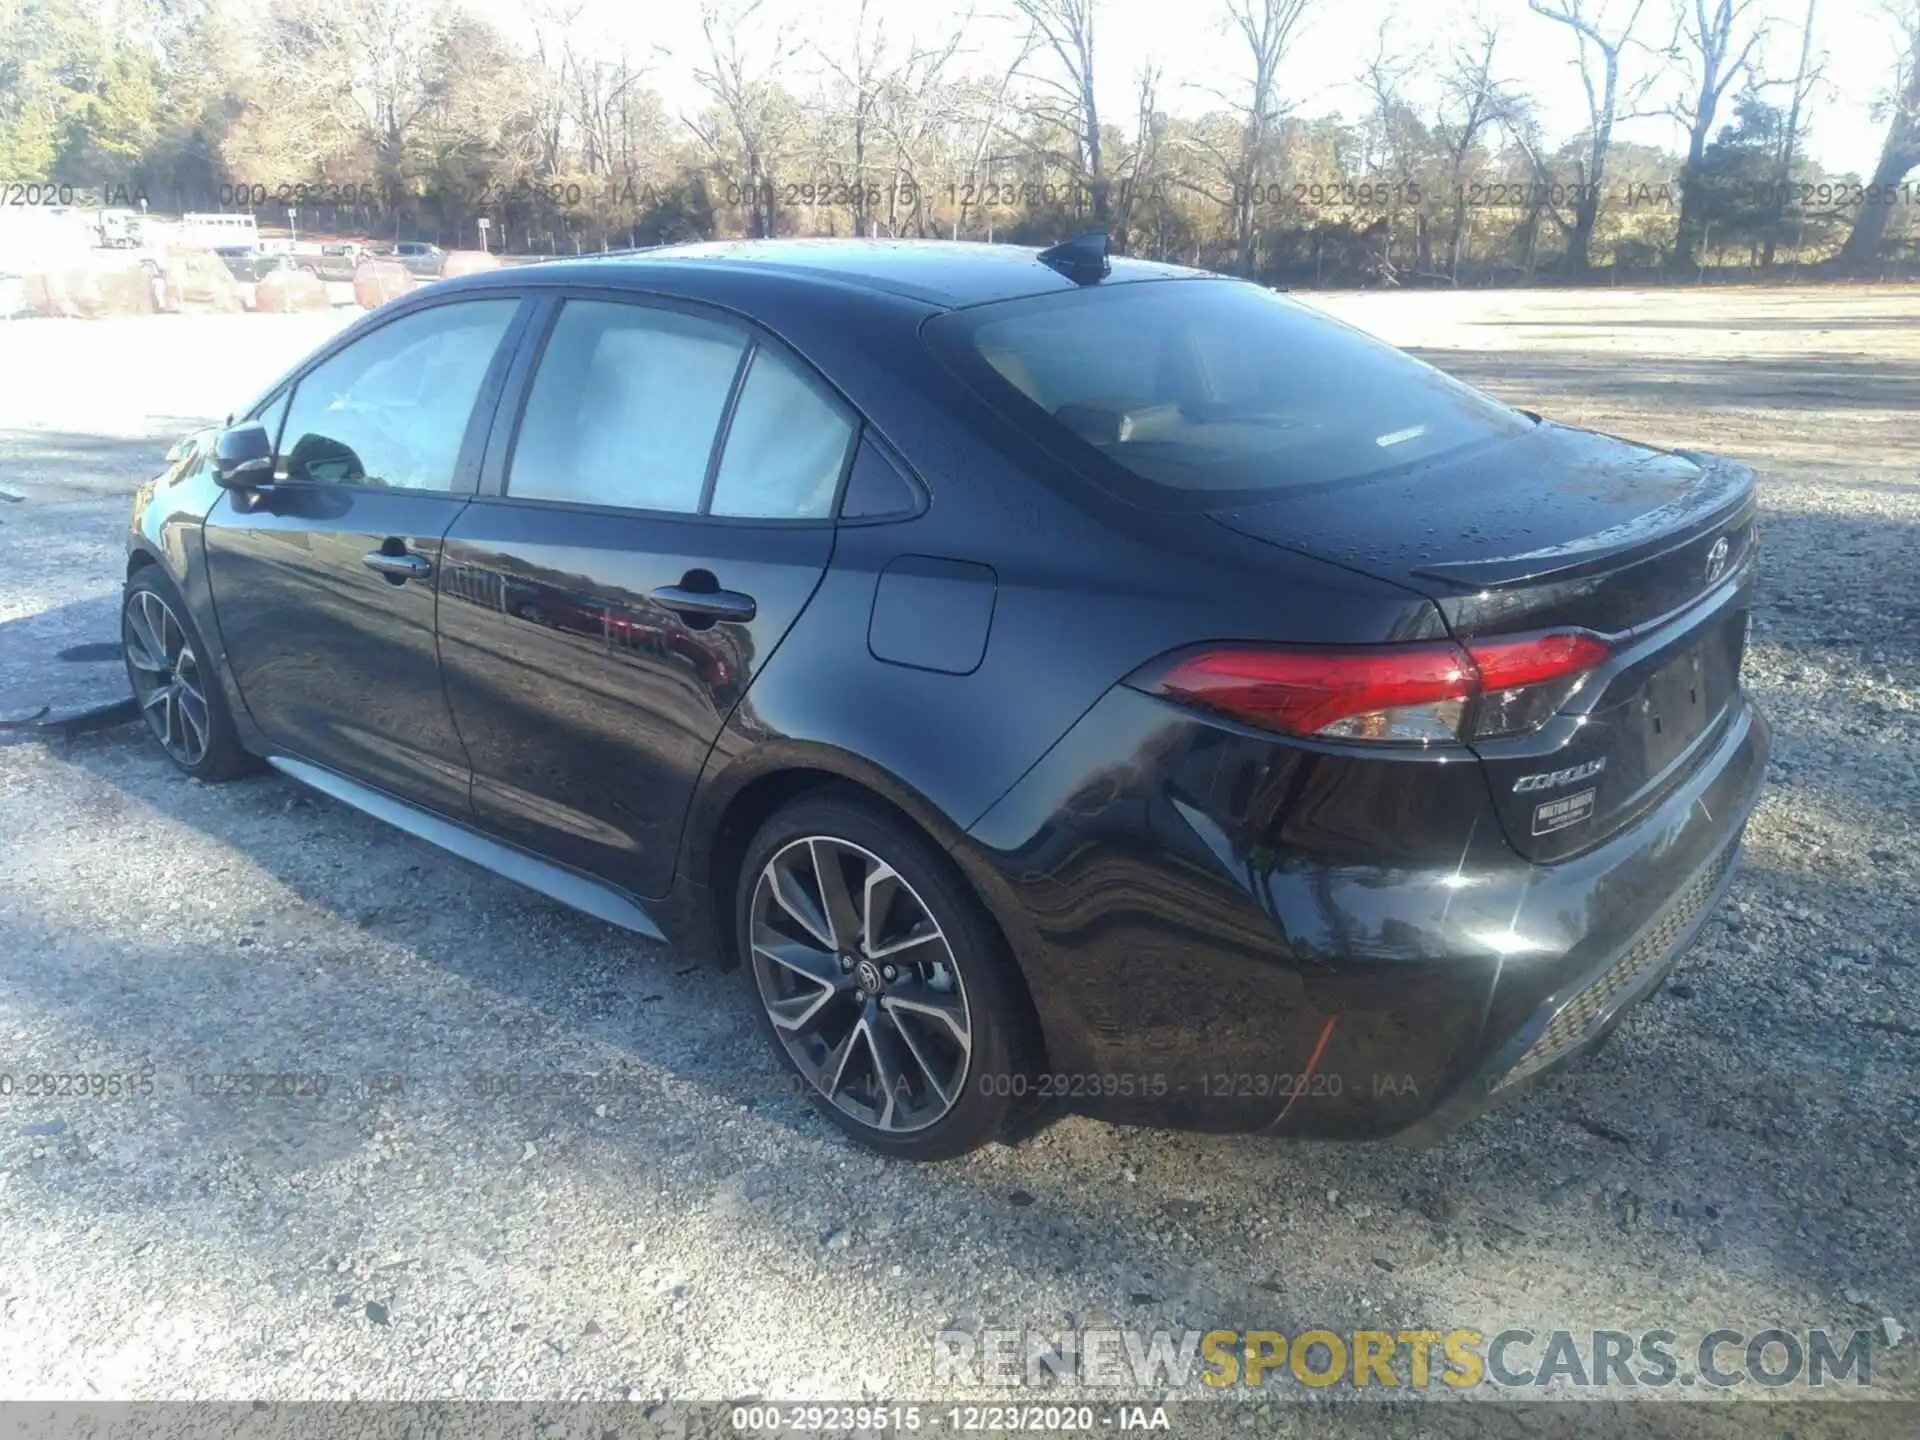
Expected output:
(1056, 683)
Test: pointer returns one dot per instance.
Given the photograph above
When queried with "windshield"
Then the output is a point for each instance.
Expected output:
(1215, 391)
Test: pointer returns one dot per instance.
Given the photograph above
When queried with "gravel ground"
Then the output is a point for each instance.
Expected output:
(1742, 1155)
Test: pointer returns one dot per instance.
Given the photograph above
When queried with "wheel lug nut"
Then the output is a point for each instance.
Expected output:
(891, 973)
(846, 962)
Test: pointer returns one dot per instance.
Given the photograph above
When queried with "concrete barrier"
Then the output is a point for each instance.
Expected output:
(198, 283)
(468, 262)
(377, 281)
(287, 292)
(89, 288)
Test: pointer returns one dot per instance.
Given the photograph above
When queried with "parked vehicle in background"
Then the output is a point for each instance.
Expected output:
(216, 232)
(244, 262)
(120, 229)
(335, 261)
(420, 258)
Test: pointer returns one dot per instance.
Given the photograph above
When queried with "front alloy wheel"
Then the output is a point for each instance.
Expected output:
(166, 677)
(860, 984)
(173, 682)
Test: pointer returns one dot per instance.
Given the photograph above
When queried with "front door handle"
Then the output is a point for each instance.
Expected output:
(707, 604)
(398, 568)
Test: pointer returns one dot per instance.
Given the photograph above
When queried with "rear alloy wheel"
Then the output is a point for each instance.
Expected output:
(171, 683)
(879, 979)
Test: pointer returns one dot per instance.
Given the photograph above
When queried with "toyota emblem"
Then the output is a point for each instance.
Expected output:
(1717, 560)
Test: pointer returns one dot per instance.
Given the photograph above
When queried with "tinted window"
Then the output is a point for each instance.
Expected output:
(1212, 390)
(392, 409)
(625, 407)
(785, 448)
(876, 490)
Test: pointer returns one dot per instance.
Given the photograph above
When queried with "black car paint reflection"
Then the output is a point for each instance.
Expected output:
(570, 684)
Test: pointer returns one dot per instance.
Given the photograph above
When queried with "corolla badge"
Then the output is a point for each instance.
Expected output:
(1717, 560)
(1554, 779)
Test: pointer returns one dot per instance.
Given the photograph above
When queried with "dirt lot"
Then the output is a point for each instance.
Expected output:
(1743, 1155)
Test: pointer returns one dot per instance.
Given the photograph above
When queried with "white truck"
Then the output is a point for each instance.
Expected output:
(214, 231)
(119, 229)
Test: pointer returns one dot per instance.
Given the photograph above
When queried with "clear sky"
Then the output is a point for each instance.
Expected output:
(1190, 40)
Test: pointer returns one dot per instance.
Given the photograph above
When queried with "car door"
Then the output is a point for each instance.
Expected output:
(654, 518)
(323, 581)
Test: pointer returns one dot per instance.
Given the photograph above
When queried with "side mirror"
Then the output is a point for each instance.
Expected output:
(243, 457)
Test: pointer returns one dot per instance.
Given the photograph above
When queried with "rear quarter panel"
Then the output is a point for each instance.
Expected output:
(1085, 590)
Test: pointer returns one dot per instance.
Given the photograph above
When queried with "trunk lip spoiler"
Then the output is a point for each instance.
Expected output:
(1726, 488)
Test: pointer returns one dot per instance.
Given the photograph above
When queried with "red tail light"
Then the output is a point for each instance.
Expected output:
(1531, 659)
(1526, 679)
(1411, 694)
(1320, 692)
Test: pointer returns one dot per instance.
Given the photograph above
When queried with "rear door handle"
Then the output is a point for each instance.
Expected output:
(708, 604)
(401, 567)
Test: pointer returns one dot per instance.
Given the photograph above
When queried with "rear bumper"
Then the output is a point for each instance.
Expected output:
(1223, 932)
(1583, 1012)
(1693, 841)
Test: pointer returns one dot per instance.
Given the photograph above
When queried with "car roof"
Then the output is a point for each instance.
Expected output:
(944, 273)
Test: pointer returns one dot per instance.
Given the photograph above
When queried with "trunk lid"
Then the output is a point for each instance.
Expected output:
(1560, 528)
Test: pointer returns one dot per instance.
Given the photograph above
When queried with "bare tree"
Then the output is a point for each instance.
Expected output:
(886, 115)
(433, 101)
(1394, 143)
(1140, 165)
(917, 107)
(1267, 26)
(990, 123)
(750, 101)
(1806, 74)
(1901, 151)
(1709, 35)
(1599, 62)
(1519, 121)
(1239, 150)
(865, 78)
(1472, 104)
(358, 67)
(1065, 27)
(605, 92)
(553, 24)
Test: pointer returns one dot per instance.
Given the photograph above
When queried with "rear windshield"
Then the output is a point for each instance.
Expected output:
(1213, 392)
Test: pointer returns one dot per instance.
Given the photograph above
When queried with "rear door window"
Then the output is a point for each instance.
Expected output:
(639, 407)
(786, 447)
(625, 408)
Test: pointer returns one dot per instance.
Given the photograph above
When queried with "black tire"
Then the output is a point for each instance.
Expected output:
(156, 627)
(985, 1100)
